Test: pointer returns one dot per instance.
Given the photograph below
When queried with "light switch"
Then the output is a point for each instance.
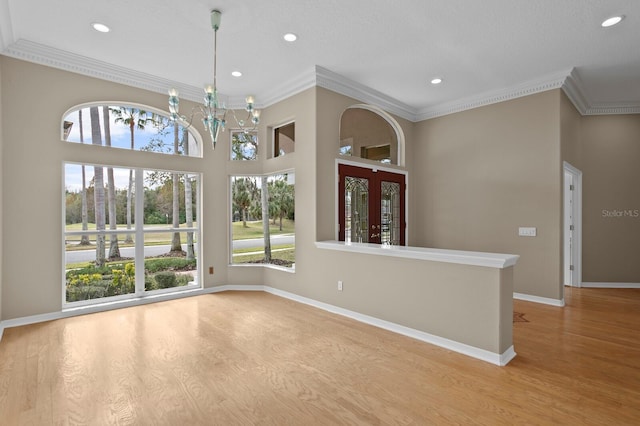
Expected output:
(527, 231)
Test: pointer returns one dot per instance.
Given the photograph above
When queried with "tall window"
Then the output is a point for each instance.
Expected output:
(106, 257)
(263, 220)
(128, 231)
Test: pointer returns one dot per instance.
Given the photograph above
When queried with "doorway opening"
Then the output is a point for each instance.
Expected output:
(572, 226)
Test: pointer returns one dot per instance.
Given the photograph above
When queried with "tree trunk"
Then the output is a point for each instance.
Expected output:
(96, 139)
(114, 249)
(188, 200)
(265, 220)
(84, 240)
(128, 239)
(176, 245)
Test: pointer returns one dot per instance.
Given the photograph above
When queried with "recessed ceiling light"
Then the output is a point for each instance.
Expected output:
(100, 27)
(236, 73)
(436, 81)
(290, 37)
(612, 21)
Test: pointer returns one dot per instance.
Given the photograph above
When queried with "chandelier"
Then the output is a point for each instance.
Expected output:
(214, 112)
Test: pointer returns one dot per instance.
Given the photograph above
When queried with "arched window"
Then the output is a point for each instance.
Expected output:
(133, 127)
(369, 132)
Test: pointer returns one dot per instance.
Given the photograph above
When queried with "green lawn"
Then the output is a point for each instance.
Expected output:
(254, 229)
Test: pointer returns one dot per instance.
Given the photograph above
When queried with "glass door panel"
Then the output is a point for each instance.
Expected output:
(356, 201)
(371, 206)
(390, 213)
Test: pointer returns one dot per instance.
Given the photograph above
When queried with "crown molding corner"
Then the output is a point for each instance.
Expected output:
(337, 83)
(285, 90)
(574, 89)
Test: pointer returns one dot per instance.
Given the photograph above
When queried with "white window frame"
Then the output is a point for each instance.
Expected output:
(139, 232)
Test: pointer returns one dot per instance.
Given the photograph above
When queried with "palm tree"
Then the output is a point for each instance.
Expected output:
(96, 139)
(84, 240)
(265, 219)
(282, 199)
(133, 118)
(114, 249)
(188, 199)
(176, 245)
(242, 194)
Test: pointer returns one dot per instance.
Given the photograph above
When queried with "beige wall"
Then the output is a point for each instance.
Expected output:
(611, 175)
(482, 173)
(570, 132)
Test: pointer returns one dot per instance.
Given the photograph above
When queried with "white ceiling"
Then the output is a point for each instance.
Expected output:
(385, 52)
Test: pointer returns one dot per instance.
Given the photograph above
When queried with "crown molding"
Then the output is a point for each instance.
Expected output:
(67, 61)
(337, 83)
(549, 82)
(285, 90)
(318, 76)
(574, 89)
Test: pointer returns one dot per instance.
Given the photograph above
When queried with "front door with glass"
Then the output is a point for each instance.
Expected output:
(371, 205)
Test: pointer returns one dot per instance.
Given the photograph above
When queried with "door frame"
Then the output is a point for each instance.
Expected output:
(374, 168)
(576, 197)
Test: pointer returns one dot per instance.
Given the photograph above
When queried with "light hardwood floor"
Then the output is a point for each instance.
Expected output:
(254, 358)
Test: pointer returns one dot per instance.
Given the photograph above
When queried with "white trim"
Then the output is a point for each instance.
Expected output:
(576, 260)
(609, 285)
(481, 354)
(347, 87)
(491, 260)
(574, 89)
(548, 82)
(538, 299)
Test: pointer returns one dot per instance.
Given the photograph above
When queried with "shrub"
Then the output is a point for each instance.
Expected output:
(165, 279)
(150, 283)
(169, 264)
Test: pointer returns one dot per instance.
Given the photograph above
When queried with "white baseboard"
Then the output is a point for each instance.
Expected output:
(609, 285)
(481, 354)
(538, 299)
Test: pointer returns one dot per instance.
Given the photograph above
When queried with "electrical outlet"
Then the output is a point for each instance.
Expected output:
(210, 270)
(339, 285)
(527, 231)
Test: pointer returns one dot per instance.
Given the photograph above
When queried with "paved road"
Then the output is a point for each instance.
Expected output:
(257, 243)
